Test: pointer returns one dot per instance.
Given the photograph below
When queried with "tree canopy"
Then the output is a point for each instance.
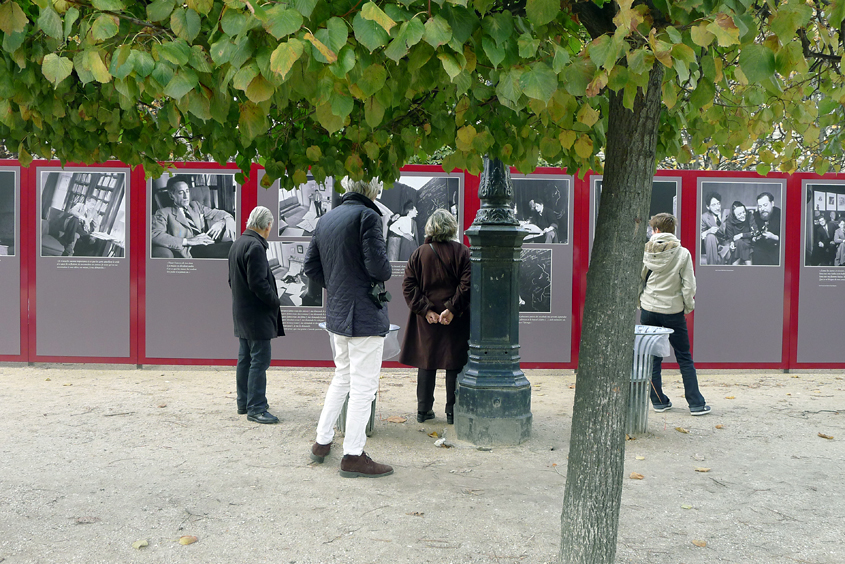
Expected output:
(361, 87)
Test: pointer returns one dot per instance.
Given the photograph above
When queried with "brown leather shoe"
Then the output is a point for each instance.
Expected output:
(353, 466)
(320, 452)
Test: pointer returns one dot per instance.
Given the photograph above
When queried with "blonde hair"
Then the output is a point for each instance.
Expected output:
(369, 189)
(441, 226)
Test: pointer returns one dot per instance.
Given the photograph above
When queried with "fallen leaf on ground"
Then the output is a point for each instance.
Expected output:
(630, 438)
(828, 437)
(572, 387)
(415, 514)
(686, 507)
(700, 543)
(87, 520)
(188, 539)
(641, 458)
(681, 430)
(396, 419)
(701, 469)
(67, 384)
(139, 544)
(433, 435)
(720, 426)
(46, 379)
(163, 405)
(636, 476)
(730, 397)
(795, 376)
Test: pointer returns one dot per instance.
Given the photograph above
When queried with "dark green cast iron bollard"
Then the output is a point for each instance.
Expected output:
(493, 395)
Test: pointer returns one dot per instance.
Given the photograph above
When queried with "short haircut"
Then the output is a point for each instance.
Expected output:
(767, 195)
(260, 218)
(665, 222)
(367, 189)
(709, 196)
(441, 226)
(175, 179)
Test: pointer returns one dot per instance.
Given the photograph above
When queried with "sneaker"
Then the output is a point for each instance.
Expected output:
(423, 416)
(320, 452)
(661, 407)
(352, 466)
(704, 410)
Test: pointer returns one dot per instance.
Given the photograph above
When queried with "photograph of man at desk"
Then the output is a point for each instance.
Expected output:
(542, 208)
(295, 289)
(83, 214)
(301, 208)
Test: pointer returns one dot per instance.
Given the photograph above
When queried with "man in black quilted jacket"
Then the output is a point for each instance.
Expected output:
(346, 255)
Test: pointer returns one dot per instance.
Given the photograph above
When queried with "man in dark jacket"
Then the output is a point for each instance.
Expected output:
(346, 255)
(255, 312)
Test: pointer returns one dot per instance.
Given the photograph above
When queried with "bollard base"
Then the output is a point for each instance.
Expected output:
(493, 416)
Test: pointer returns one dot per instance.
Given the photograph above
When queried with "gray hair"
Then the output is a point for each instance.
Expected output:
(369, 189)
(260, 218)
(441, 226)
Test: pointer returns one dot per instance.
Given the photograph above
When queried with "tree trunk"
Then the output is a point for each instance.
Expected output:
(590, 517)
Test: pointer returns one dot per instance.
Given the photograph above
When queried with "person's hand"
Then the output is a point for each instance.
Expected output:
(738, 236)
(821, 245)
(200, 240)
(432, 317)
(216, 229)
(446, 317)
(770, 235)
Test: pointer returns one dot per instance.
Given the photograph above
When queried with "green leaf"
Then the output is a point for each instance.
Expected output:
(342, 105)
(56, 68)
(160, 10)
(201, 6)
(104, 27)
(373, 112)
(333, 36)
(540, 82)
(372, 80)
(450, 65)
(345, 62)
(509, 87)
(561, 59)
(410, 33)
(183, 81)
(330, 122)
(789, 18)
(282, 21)
(549, 147)
(757, 62)
(437, 31)
(245, 76)
(372, 12)
(578, 76)
(97, 67)
(494, 51)
(51, 23)
(305, 7)
(499, 26)
(177, 52)
(252, 123)
(314, 153)
(259, 90)
(143, 63)
(369, 33)
(233, 22)
(185, 24)
(528, 45)
(121, 62)
(12, 18)
(285, 55)
(109, 5)
(541, 12)
(70, 18)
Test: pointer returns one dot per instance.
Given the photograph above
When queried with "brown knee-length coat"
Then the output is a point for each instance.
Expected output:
(430, 285)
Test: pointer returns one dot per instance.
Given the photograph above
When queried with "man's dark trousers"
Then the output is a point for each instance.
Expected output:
(679, 340)
(251, 375)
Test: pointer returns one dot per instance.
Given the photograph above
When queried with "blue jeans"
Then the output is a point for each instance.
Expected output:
(680, 344)
(251, 375)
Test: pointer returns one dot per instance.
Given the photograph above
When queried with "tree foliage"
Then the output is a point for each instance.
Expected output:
(361, 87)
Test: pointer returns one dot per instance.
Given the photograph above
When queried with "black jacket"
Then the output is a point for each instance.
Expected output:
(346, 253)
(255, 302)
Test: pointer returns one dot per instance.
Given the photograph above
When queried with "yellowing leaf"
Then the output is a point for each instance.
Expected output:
(700, 543)
(584, 147)
(686, 507)
(188, 539)
(12, 18)
(681, 430)
(636, 476)
(725, 30)
(828, 437)
(629, 437)
(139, 544)
(285, 55)
(701, 469)
(330, 55)
(370, 11)
(433, 435)
(730, 397)
(641, 458)
(567, 138)
(720, 426)
(587, 115)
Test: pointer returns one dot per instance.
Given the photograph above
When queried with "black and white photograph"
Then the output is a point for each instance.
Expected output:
(301, 208)
(83, 214)
(193, 215)
(664, 199)
(8, 213)
(542, 208)
(406, 207)
(741, 223)
(824, 227)
(535, 281)
(295, 289)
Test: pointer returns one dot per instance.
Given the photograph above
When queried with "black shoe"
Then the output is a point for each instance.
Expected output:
(263, 417)
(422, 417)
(241, 410)
(450, 418)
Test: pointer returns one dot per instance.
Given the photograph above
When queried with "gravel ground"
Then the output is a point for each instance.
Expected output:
(94, 459)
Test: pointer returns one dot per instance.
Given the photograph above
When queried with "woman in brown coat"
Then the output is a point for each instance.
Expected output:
(436, 288)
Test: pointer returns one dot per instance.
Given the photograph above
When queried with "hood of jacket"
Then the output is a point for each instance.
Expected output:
(661, 251)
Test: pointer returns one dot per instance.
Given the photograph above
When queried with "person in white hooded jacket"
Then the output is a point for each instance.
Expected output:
(666, 296)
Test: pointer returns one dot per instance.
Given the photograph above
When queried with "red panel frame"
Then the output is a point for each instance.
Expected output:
(32, 200)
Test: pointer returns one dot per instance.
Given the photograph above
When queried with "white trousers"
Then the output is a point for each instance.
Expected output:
(357, 363)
